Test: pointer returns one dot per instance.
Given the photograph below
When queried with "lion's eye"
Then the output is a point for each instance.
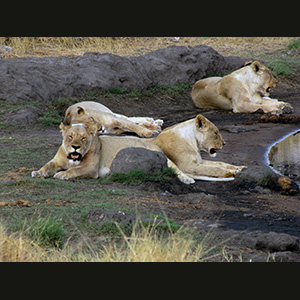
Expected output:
(70, 137)
(83, 139)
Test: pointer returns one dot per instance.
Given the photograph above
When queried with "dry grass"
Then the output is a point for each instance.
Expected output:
(16, 248)
(144, 245)
(133, 46)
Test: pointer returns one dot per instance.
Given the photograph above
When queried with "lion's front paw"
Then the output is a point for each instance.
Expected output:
(287, 108)
(63, 175)
(158, 122)
(233, 170)
(186, 179)
(283, 108)
(39, 174)
(240, 168)
(146, 133)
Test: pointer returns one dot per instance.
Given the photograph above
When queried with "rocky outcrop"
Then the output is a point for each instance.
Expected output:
(42, 79)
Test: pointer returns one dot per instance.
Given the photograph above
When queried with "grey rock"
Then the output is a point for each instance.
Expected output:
(138, 158)
(261, 175)
(25, 116)
(9, 182)
(42, 79)
(101, 216)
(286, 256)
(260, 190)
(272, 241)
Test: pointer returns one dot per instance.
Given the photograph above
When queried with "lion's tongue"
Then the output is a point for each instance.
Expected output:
(75, 155)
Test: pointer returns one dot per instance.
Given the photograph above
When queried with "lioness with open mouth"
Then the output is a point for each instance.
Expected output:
(85, 154)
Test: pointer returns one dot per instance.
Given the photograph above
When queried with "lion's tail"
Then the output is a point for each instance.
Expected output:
(207, 178)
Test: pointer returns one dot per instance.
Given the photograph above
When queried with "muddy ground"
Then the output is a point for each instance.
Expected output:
(255, 223)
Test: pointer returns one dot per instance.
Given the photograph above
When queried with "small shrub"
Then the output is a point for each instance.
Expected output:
(134, 93)
(266, 180)
(282, 67)
(46, 232)
(294, 44)
(61, 104)
(113, 229)
(116, 91)
(49, 119)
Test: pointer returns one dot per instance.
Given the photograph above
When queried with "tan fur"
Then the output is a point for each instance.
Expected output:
(97, 152)
(111, 122)
(181, 144)
(84, 138)
(243, 91)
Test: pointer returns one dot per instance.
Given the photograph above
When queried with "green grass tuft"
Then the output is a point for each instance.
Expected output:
(136, 177)
(294, 44)
(45, 231)
(49, 119)
(283, 67)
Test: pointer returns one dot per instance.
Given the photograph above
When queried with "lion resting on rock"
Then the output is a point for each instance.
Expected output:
(84, 154)
(111, 122)
(243, 91)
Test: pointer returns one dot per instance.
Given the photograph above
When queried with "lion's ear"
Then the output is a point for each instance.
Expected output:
(93, 129)
(81, 111)
(67, 119)
(94, 126)
(64, 128)
(200, 121)
(248, 63)
(256, 66)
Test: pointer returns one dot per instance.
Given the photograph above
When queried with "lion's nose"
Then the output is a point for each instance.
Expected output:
(75, 147)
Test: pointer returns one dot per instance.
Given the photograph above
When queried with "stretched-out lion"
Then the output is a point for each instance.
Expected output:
(182, 143)
(111, 122)
(243, 91)
(85, 154)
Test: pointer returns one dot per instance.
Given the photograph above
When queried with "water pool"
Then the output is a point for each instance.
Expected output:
(284, 156)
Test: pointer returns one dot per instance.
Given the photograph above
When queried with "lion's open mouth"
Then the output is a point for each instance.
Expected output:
(212, 152)
(75, 156)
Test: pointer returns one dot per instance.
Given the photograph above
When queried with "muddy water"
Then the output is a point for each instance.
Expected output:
(284, 156)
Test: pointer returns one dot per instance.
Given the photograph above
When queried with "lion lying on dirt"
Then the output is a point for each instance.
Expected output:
(111, 122)
(243, 91)
(182, 143)
(84, 154)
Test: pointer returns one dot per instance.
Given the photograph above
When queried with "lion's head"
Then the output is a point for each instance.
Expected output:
(75, 114)
(208, 136)
(263, 78)
(78, 138)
